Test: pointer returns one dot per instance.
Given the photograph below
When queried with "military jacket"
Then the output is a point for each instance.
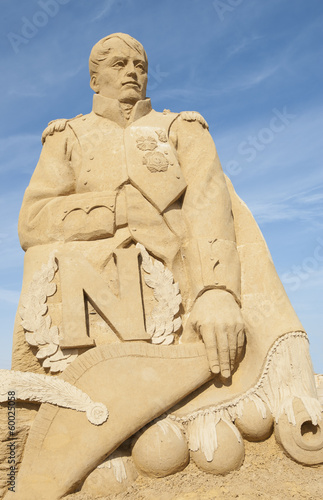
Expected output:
(158, 174)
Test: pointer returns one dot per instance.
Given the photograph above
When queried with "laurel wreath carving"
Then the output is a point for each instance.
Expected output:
(39, 331)
(161, 324)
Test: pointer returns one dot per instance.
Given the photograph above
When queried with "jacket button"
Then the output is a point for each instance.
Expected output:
(91, 157)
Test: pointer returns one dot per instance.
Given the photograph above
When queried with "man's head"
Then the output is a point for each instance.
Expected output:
(118, 68)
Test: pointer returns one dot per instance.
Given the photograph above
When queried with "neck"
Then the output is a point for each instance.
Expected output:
(126, 108)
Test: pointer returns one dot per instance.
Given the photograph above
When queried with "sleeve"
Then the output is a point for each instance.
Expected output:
(210, 250)
(52, 210)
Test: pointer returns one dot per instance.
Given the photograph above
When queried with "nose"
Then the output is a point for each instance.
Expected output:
(131, 70)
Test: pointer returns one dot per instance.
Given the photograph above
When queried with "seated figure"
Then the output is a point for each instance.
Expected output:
(148, 284)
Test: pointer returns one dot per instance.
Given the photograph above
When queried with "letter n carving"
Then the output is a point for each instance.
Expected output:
(79, 280)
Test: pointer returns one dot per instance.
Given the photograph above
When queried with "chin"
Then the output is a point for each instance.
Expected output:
(131, 95)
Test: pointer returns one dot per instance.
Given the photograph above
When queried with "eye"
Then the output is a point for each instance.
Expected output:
(141, 66)
(118, 64)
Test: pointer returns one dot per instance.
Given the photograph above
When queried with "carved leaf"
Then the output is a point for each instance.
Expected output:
(177, 323)
(33, 312)
(169, 328)
(58, 366)
(24, 299)
(30, 337)
(54, 335)
(40, 339)
(159, 265)
(44, 352)
(150, 281)
(50, 273)
(160, 330)
(168, 340)
(50, 289)
(150, 326)
(47, 363)
(161, 323)
(164, 340)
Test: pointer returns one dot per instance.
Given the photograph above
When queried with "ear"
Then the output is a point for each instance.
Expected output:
(94, 84)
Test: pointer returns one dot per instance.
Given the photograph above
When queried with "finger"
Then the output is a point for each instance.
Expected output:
(232, 341)
(241, 339)
(233, 336)
(223, 352)
(208, 335)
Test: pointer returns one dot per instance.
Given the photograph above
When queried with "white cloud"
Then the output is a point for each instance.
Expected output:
(244, 43)
(10, 296)
(50, 78)
(23, 90)
(298, 206)
(19, 152)
(104, 12)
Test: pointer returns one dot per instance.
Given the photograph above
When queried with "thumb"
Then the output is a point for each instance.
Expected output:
(189, 332)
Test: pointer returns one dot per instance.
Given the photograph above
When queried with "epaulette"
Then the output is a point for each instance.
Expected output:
(193, 116)
(56, 126)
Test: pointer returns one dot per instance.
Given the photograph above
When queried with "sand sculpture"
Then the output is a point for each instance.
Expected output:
(152, 327)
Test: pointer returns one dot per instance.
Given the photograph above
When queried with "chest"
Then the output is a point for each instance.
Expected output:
(140, 154)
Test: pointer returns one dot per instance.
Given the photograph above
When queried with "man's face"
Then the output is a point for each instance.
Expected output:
(122, 75)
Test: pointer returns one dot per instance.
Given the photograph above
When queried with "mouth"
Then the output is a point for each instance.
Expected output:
(131, 83)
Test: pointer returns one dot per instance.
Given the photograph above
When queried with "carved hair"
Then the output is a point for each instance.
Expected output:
(101, 49)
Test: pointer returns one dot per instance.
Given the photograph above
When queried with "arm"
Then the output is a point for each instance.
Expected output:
(52, 210)
(210, 250)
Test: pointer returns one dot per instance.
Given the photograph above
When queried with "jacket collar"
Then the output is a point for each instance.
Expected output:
(110, 108)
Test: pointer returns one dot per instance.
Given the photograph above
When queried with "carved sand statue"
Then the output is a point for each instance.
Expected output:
(152, 325)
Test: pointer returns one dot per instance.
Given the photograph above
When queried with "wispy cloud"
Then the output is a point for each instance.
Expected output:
(10, 296)
(104, 12)
(243, 44)
(19, 152)
(270, 212)
(22, 91)
(255, 77)
(52, 78)
(315, 280)
(306, 204)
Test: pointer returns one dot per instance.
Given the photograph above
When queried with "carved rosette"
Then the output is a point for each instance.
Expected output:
(146, 144)
(155, 161)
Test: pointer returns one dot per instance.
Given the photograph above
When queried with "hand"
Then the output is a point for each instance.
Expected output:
(217, 318)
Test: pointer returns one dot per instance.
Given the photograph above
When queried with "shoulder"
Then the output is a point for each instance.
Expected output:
(185, 116)
(193, 116)
(58, 125)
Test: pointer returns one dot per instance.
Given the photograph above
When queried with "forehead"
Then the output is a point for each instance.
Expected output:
(118, 48)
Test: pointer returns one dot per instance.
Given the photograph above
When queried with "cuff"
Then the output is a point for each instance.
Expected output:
(213, 263)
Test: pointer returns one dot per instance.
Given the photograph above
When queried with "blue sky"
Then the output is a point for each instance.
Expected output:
(253, 69)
